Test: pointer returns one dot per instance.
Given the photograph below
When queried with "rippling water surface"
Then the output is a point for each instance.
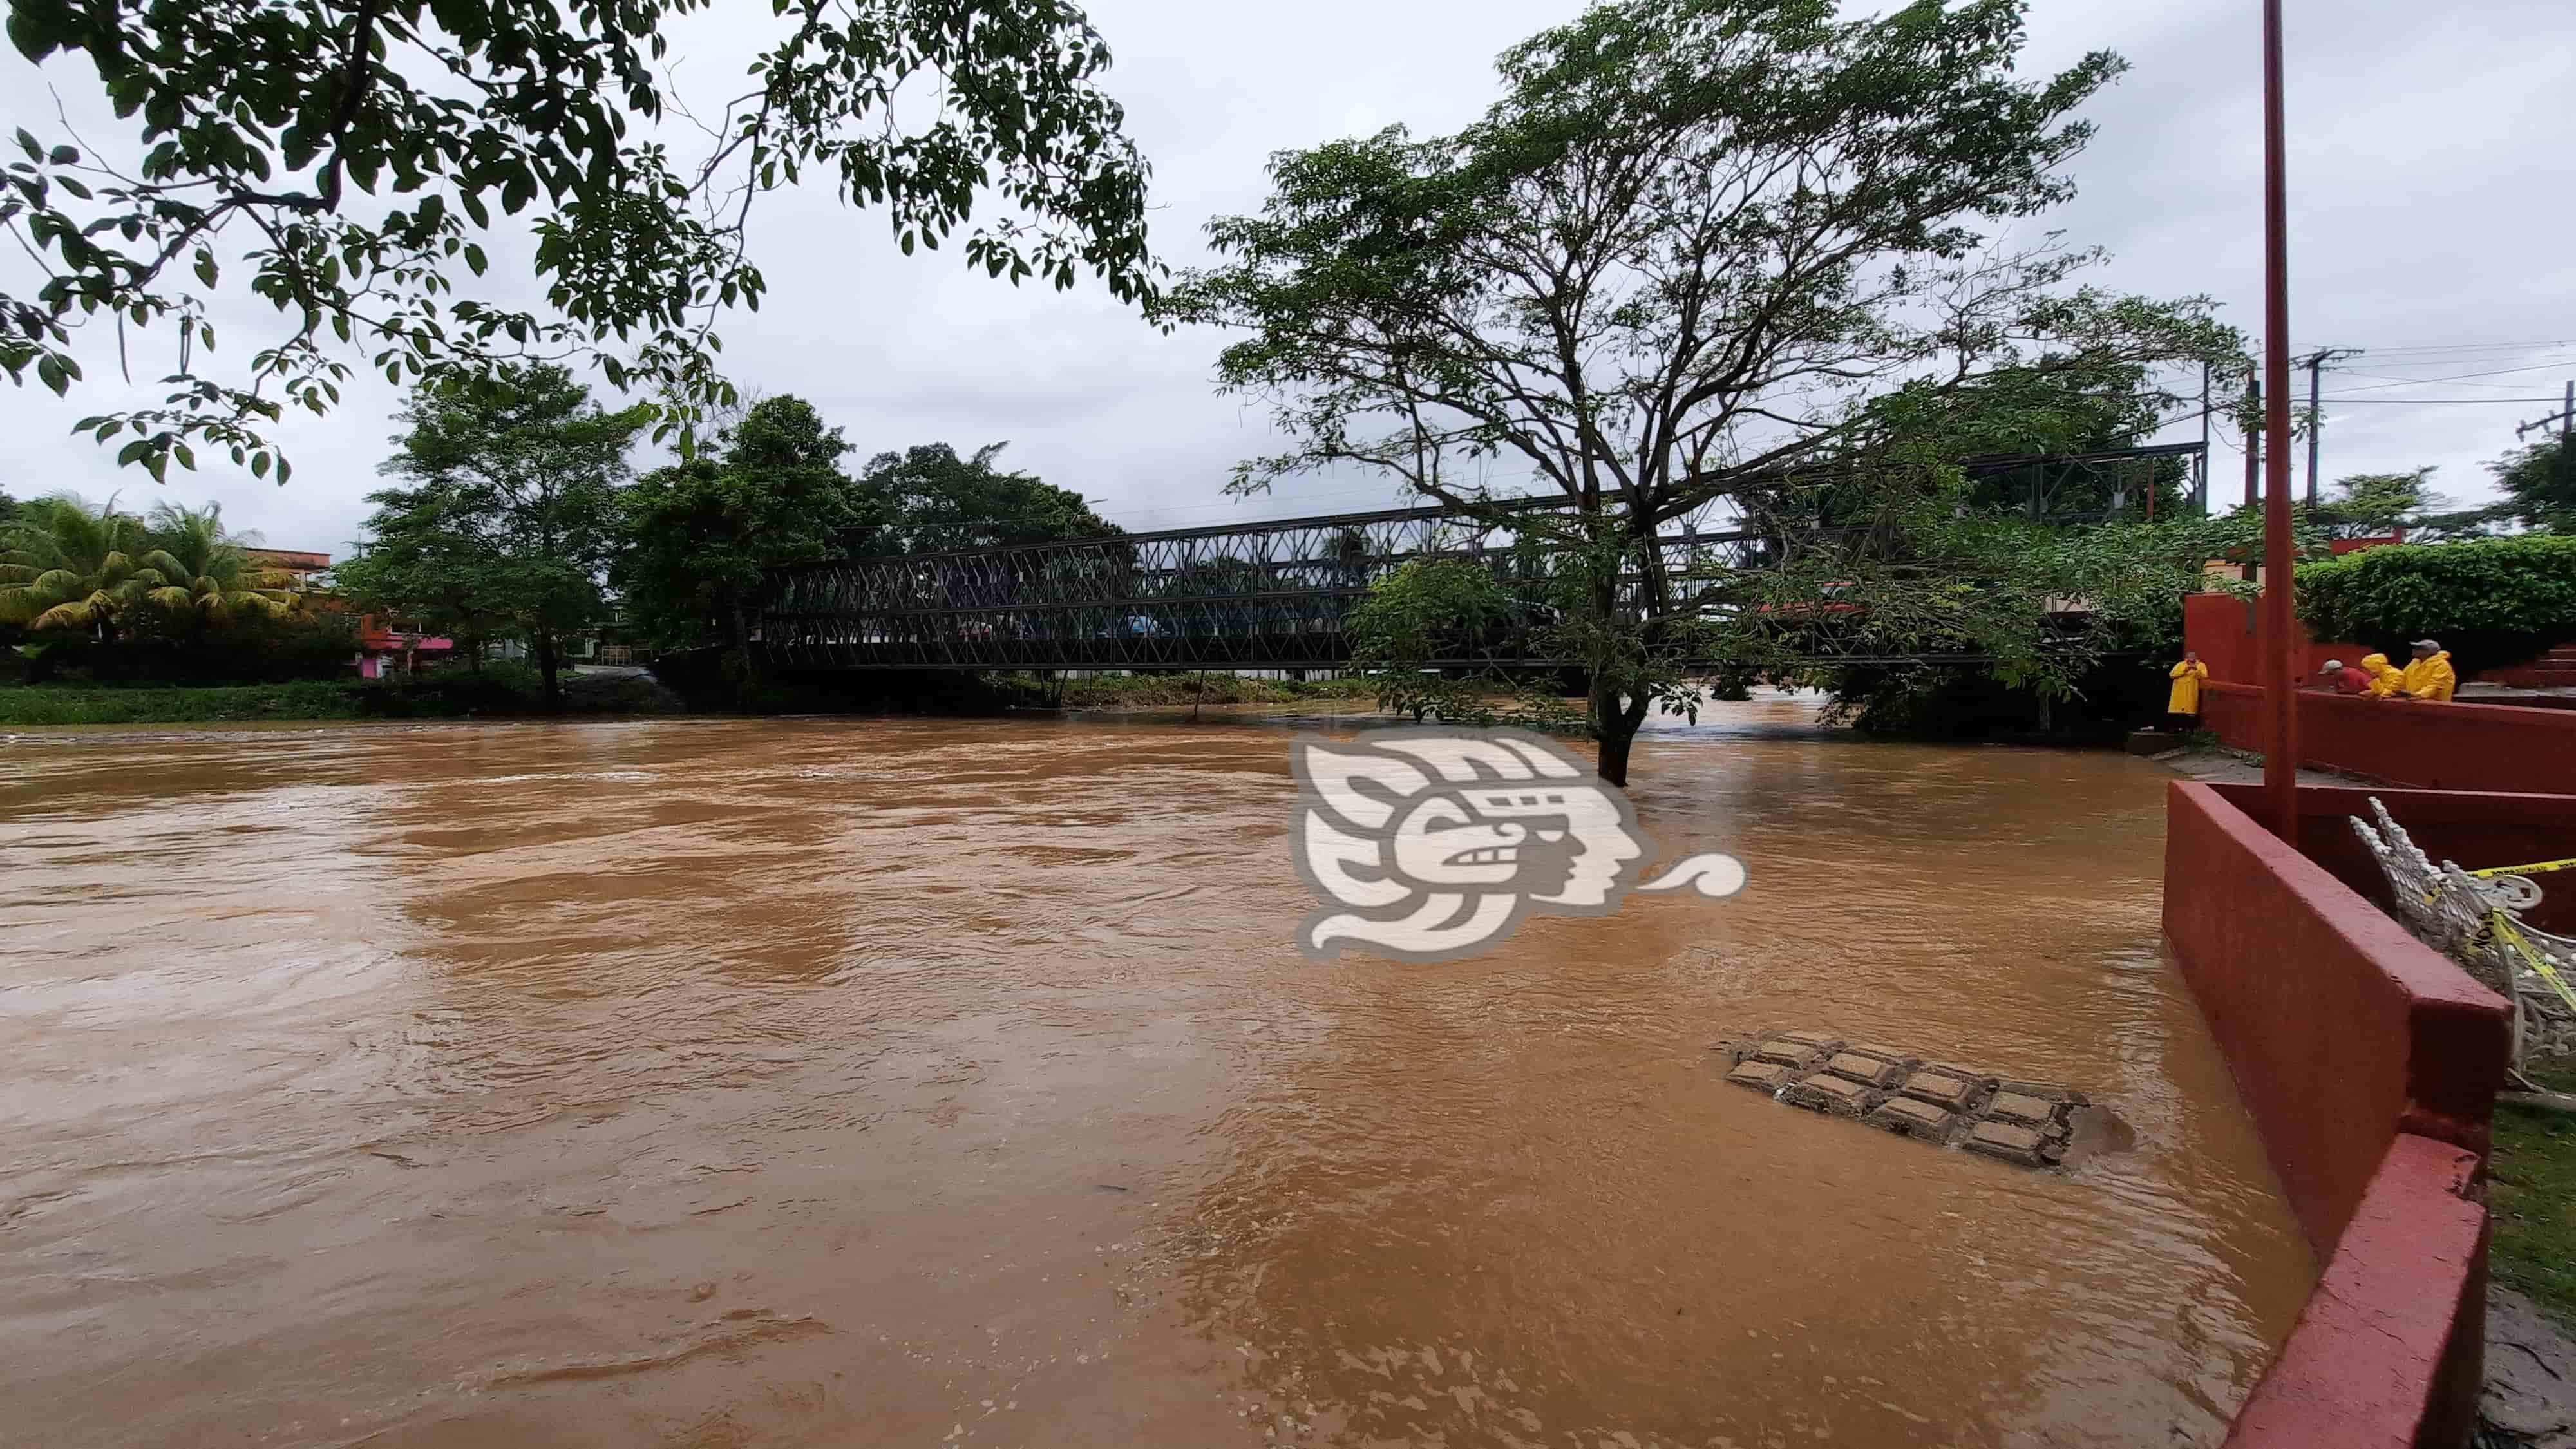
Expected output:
(809, 1082)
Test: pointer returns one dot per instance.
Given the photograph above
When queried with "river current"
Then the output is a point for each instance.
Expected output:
(849, 1082)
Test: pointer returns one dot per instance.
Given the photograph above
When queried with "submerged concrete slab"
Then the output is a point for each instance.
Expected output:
(1868, 1071)
(1948, 1091)
(1762, 1076)
(1914, 1119)
(2012, 1119)
(1825, 1092)
(2024, 1145)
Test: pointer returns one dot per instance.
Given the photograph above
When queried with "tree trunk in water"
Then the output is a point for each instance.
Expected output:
(1616, 718)
(546, 666)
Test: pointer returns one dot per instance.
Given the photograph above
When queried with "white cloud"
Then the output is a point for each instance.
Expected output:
(2426, 144)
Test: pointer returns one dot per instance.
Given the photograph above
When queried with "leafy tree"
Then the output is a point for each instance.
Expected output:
(2539, 484)
(1426, 610)
(511, 519)
(2370, 505)
(65, 564)
(1698, 246)
(934, 500)
(2491, 601)
(2008, 620)
(697, 535)
(353, 157)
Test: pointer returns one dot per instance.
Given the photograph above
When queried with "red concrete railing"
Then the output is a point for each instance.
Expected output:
(2448, 746)
(2370, 1066)
(2388, 1350)
(2476, 828)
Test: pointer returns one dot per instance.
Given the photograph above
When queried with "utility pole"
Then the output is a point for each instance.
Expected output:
(2316, 362)
(2200, 469)
(2280, 686)
(2565, 418)
(2252, 421)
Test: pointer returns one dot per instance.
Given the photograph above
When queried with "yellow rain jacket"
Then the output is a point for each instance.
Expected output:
(2186, 677)
(2384, 677)
(2431, 678)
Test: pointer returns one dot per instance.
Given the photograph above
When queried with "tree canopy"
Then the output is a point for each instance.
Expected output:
(2539, 483)
(697, 535)
(68, 564)
(510, 521)
(1698, 246)
(930, 500)
(348, 164)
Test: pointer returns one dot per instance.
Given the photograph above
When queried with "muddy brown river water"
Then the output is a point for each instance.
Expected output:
(838, 1082)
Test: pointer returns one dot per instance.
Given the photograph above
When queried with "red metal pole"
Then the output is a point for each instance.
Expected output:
(2280, 679)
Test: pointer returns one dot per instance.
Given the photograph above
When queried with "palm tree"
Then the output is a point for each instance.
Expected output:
(67, 565)
(208, 569)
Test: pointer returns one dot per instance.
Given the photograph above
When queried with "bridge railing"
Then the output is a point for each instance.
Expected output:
(1279, 593)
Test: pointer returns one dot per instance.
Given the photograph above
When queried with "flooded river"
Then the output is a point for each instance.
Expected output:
(854, 1082)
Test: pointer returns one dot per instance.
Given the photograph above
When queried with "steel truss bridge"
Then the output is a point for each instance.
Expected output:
(1268, 595)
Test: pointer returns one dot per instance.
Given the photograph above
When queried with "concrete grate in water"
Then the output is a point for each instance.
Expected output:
(2034, 1124)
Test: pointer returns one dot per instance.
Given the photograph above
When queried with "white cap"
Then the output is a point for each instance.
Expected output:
(2331, 664)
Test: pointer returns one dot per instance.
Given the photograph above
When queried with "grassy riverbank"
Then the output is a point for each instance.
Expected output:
(498, 690)
(2532, 1194)
(1148, 691)
(82, 704)
(512, 690)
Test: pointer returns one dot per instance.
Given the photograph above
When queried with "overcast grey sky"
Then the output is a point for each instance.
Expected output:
(2430, 221)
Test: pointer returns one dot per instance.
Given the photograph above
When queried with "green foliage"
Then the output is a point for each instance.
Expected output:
(2038, 616)
(2491, 601)
(1427, 610)
(1697, 246)
(191, 648)
(1182, 690)
(2369, 505)
(2539, 483)
(695, 537)
(2532, 1194)
(498, 689)
(512, 517)
(357, 158)
(927, 499)
(49, 705)
(68, 566)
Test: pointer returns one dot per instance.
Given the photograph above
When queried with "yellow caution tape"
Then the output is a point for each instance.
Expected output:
(2540, 868)
(2538, 963)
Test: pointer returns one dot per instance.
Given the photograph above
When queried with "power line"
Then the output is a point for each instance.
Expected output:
(2428, 401)
(2454, 377)
(2470, 347)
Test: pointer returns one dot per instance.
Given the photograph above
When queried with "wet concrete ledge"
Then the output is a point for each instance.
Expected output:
(2455, 746)
(2370, 1066)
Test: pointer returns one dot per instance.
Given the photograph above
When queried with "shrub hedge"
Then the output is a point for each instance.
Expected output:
(2491, 601)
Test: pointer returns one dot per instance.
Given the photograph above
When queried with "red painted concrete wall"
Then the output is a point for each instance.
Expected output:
(2370, 1066)
(2475, 828)
(2226, 632)
(2450, 746)
(2389, 1349)
(2342, 1029)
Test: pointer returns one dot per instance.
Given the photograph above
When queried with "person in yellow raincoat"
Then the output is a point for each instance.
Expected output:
(2182, 706)
(2429, 675)
(2385, 678)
